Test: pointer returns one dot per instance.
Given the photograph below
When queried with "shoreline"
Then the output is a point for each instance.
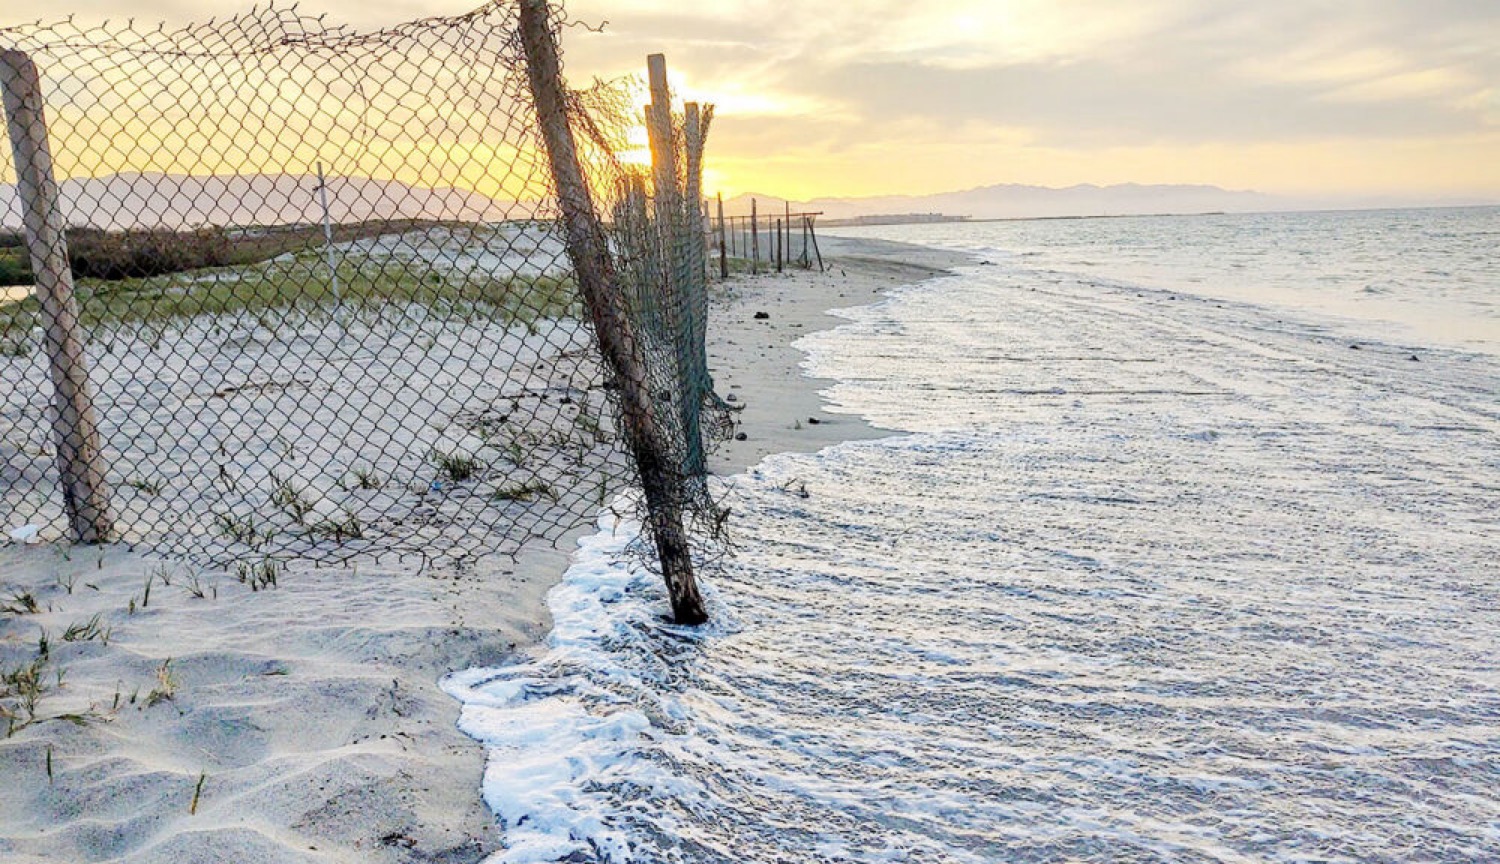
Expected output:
(306, 723)
(756, 361)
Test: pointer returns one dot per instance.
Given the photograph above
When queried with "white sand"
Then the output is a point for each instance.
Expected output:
(311, 710)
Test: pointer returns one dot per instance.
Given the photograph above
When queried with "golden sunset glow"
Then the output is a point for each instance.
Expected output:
(868, 98)
(846, 99)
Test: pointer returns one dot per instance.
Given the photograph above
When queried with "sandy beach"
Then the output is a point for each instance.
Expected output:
(184, 717)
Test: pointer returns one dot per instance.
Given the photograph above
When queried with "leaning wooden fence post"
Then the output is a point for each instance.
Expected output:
(75, 430)
(660, 477)
(812, 232)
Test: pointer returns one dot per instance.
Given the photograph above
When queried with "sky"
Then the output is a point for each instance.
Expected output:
(864, 97)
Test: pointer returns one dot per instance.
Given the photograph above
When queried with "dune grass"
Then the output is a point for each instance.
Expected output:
(14, 268)
(291, 280)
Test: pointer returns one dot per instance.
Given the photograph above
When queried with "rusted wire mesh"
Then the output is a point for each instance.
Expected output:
(326, 306)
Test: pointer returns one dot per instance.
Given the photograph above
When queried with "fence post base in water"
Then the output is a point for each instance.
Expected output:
(75, 430)
(621, 349)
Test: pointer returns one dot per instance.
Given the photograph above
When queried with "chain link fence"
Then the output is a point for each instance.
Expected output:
(325, 308)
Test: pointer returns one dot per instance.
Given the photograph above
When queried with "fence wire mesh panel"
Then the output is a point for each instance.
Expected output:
(323, 297)
(659, 235)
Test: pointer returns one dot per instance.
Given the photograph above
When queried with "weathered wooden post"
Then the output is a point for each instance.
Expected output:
(75, 430)
(633, 230)
(692, 289)
(683, 262)
(696, 120)
(723, 252)
(754, 241)
(622, 351)
(786, 239)
(806, 256)
(777, 245)
(812, 232)
(663, 153)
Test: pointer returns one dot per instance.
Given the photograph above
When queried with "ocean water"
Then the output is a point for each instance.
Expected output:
(1152, 575)
(1424, 276)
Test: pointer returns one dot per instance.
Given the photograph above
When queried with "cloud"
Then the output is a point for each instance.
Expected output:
(1074, 79)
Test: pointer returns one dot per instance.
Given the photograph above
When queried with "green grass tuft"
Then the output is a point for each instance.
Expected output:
(528, 491)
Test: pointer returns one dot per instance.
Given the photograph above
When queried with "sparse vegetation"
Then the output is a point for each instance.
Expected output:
(345, 528)
(197, 793)
(157, 277)
(364, 477)
(528, 491)
(589, 422)
(195, 587)
(238, 528)
(259, 575)
(21, 603)
(21, 690)
(15, 345)
(291, 499)
(516, 452)
(23, 685)
(86, 631)
(15, 267)
(455, 466)
(144, 486)
(166, 685)
(134, 254)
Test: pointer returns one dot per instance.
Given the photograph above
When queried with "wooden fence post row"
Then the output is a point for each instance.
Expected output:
(779, 235)
(622, 350)
(75, 430)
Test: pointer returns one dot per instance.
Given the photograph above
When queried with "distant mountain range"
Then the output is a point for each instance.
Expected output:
(134, 200)
(1014, 201)
(180, 201)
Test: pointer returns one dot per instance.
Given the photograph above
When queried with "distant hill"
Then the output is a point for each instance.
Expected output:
(177, 201)
(1014, 201)
(133, 200)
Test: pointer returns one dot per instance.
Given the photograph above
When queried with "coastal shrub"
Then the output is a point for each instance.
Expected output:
(15, 269)
(139, 253)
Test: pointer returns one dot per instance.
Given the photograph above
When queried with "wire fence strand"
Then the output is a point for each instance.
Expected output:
(325, 302)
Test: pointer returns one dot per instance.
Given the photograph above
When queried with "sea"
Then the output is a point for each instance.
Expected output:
(1186, 548)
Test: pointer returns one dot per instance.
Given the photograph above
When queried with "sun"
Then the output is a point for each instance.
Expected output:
(638, 148)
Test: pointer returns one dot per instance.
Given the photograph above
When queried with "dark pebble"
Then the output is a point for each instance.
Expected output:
(761, 316)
